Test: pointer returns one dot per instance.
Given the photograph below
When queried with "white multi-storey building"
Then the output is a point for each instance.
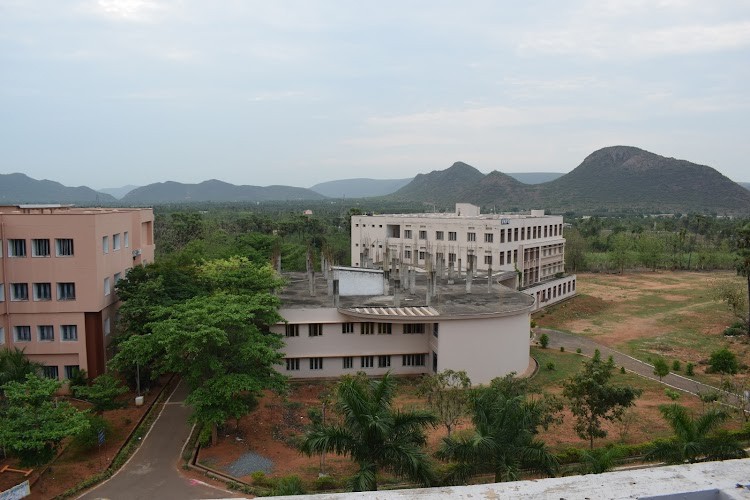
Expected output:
(428, 292)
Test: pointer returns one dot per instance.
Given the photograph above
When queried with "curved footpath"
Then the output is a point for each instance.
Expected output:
(587, 346)
(152, 471)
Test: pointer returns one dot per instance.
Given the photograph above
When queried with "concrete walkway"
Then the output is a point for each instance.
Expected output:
(571, 342)
(152, 471)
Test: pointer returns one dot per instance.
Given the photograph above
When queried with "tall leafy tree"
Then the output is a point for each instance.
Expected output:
(218, 340)
(447, 395)
(594, 399)
(504, 440)
(374, 434)
(695, 439)
(33, 423)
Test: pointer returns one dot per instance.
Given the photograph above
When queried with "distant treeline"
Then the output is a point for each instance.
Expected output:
(616, 244)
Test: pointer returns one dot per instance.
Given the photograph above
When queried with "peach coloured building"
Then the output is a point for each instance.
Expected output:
(58, 268)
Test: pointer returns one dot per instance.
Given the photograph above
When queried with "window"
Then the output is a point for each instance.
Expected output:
(66, 291)
(72, 371)
(126, 237)
(105, 244)
(502, 236)
(348, 362)
(413, 360)
(16, 248)
(291, 330)
(489, 237)
(69, 333)
(488, 260)
(422, 235)
(452, 236)
(2, 335)
(451, 258)
(2, 292)
(50, 372)
(23, 333)
(407, 233)
(116, 241)
(107, 287)
(316, 363)
(435, 330)
(40, 248)
(439, 235)
(384, 361)
(407, 254)
(118, 277)
(471, 236)
(367, 328)
(314, 330)
(46, 333)
(107, 326)
(292, 364)
(413, 328)
(19, 291)
(347, 327)
(64, 247)
(42, 291)
(384, 328)
(421, 255)
(366, 361)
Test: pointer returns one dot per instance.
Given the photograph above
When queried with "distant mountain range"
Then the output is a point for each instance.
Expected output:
(19, 188)
(213, 190)
(745, 185)
(365, 188)
(118, 192)
(615, 179)
(612, 179)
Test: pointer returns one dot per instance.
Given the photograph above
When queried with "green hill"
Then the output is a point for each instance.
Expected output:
(20, 188)
(215, 191)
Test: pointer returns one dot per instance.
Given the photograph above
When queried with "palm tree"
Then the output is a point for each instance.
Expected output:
(503, 441)
(374, 434)
(695, 439)
(599, 460)
(14, 366)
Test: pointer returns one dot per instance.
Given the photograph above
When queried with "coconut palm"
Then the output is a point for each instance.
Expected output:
(503, 441)
(374, 434)
(695, 439)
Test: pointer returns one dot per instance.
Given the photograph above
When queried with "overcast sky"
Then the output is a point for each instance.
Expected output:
(113, 92)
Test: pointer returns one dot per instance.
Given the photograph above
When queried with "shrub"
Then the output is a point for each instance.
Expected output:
(260, 479)
(562, 348)
(551, 366)
(723, 361)
(676, 366)
(89, 438)
(288, 485)
(324, 483)
(671, 394)
(533, 324)
(689, 369)
(622, 370)
(578, 351)
(77, 379)
(544, 340)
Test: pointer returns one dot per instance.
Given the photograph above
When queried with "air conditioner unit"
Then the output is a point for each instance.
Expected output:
(136, 252)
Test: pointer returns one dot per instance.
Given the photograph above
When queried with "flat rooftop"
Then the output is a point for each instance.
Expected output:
(449, 300)
(37, 209)
(495, 216)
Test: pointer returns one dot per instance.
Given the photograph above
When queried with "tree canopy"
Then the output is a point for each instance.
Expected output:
(593, 398)
(374, 434)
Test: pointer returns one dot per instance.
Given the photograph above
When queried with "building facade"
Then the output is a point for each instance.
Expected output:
(58, 268)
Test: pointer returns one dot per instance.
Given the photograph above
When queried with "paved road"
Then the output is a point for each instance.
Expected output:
(587, 346)
(152, 471)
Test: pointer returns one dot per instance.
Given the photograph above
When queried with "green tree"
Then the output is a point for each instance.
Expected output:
(447, 396)
(650, 251)
(14, 366)
(374, 434)
(695, 440)
(620, 245)
(743, 263)
(723, 361)
(33, 423)
(732, 294)
(102, 392)
(575, 250)
(593, 398)
(217, 341)
(503, 442)
(661, 368)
